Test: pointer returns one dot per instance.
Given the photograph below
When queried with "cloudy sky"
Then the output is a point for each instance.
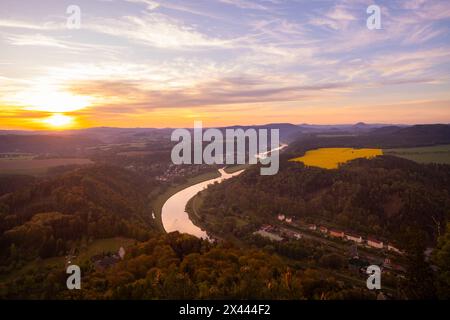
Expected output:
(143, 63)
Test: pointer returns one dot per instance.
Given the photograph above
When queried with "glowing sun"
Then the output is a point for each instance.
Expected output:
(58, 120)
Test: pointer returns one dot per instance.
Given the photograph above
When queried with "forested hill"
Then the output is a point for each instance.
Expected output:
(384, 137)
(94, 202)
(12, 182)
(180, 266)
(385, 197)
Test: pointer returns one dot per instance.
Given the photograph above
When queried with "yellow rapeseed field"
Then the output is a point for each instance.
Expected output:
(330, 158)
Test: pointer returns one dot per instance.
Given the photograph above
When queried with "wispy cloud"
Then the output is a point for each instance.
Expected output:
(140, 56)
(245, 4)
(155, 30)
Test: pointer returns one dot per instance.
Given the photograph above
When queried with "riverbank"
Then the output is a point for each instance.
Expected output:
(158, 203)
(192, 209)
(173, 213)
(237, 167)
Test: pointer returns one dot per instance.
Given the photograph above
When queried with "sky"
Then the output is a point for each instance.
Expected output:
(145, 63)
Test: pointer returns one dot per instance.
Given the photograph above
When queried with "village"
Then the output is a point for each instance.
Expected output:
(280, 233)
(288, 228)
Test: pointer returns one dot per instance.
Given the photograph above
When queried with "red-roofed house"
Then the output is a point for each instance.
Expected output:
(323, 229)
(336, 233)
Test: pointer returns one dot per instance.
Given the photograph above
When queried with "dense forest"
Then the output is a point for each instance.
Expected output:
(176, 266)
(43, 218)
(13, 182)
(392, 199)
(383, 197)
(179, 266)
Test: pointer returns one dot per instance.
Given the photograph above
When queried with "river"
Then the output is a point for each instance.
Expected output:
(173, 213)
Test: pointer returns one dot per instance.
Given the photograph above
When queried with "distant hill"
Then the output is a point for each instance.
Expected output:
(288, 131)
(375, 135)
(44, 143)
(383, 137)
(423, 134)
(358, 127)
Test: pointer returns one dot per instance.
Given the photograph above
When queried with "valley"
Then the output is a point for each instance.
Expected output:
(265, 228)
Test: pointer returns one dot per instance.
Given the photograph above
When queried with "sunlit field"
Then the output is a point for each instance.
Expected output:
(330, 158)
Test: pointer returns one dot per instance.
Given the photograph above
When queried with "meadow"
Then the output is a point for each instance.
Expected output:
(432, 154)
(330, 158)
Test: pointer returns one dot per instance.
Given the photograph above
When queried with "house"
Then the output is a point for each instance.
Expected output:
(390, 247)
(323, 229)
(121, 253)
(281, 217)
(312, 227)
(353, 237)
(336, 233)
(374, 243)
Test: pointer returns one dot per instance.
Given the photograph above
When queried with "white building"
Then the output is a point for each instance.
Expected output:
(354, 237)
(394, 249)
(122, 253)
(375, 243)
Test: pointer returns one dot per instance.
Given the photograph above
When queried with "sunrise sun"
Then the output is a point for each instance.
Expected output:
(58, 120)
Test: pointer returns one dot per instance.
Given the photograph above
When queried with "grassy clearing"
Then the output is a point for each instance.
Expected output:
(36, 167)
(330, 158)
(104, 245)
(433, 154)
(96, 247)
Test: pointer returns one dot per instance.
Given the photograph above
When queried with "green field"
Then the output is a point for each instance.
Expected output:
(35, 167)
(433, 154)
